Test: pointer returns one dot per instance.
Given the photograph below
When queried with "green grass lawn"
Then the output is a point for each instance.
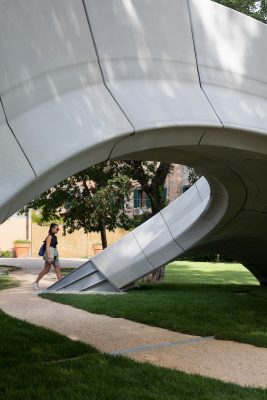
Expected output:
(36, 363)
(187, 272)
(221, 300)
(66, 270)
(5, 281)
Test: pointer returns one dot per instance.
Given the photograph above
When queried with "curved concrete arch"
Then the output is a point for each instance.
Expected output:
(177, 80)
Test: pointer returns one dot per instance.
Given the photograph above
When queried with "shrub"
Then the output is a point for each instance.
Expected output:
(207, 257)
(5, 253)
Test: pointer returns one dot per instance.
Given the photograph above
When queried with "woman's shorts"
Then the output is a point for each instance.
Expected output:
(54, 256)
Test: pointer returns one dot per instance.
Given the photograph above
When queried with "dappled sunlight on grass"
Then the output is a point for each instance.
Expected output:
(189, 272)
(207, 299)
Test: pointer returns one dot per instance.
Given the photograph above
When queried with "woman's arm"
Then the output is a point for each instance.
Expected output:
(47, 247)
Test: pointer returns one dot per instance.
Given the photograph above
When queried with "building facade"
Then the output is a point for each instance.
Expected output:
(176, 183)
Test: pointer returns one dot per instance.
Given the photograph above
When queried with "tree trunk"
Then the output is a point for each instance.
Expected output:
(154, 192)
(27, 225)
(157, 203)
(156, 200)
(103, 234)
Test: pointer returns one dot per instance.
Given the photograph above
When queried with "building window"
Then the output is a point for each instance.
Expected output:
(142, 200)
(139, 198)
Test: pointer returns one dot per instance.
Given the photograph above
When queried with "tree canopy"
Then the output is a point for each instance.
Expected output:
(255, 9)
(91, 199)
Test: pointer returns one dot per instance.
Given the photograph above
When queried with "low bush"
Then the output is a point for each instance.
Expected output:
(208, 257)
(5, 253)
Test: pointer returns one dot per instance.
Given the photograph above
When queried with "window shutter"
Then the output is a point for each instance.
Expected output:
(165, 193)
(135, 198)
(148, 202)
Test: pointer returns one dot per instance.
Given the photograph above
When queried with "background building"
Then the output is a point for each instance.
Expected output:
(176, 183)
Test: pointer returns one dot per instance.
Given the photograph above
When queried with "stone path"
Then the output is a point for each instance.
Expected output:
(242, 364)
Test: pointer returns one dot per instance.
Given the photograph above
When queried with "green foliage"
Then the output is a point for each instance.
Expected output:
(22, 241)
(5, 253)
(151, 175)
(91, 199)
(37, 218)
(193, 175)
(256, 9)
(208, 257)
(140, 219)
(94, 198)
(7, 283)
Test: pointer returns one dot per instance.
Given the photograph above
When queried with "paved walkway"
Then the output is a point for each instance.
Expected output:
(243, 364)
(35, 265)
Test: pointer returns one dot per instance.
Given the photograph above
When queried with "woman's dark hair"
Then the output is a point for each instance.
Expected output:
(53, 225)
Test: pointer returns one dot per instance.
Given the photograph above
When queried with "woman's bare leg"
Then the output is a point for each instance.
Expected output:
(58, 272)
(46, 269)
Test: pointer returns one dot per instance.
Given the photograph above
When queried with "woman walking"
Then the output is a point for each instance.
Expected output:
(50, 255)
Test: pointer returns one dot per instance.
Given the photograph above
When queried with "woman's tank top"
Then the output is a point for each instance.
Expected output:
(53, 241)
